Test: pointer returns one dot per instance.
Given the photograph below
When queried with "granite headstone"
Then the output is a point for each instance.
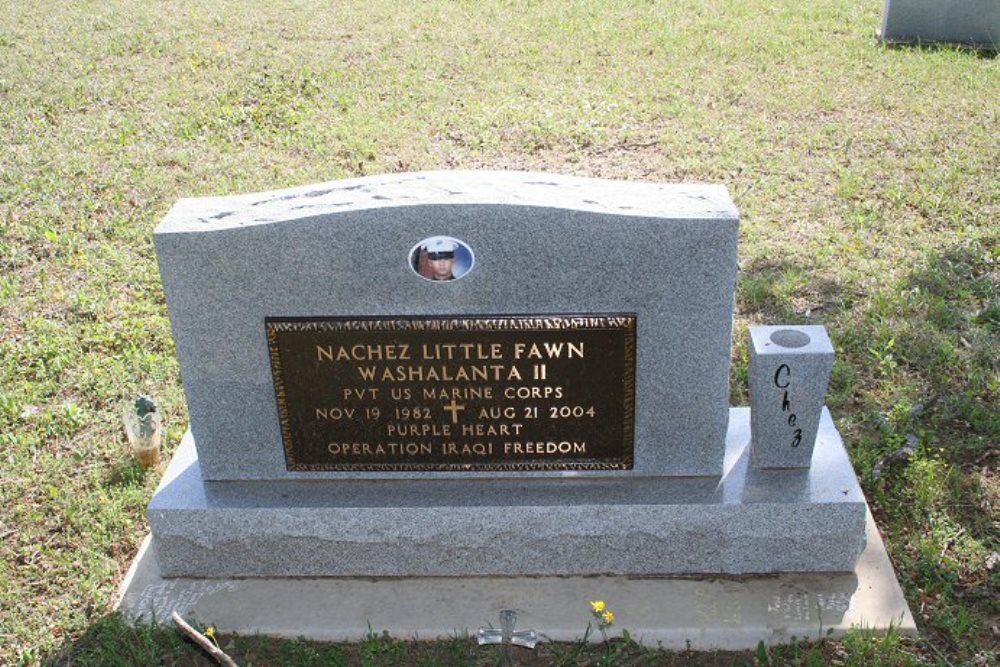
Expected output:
(458, 373)
(552, 251)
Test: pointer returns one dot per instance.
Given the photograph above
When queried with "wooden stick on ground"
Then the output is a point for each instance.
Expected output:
(201, 640)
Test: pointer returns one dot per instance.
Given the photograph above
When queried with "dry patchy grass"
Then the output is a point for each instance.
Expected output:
(867, 179)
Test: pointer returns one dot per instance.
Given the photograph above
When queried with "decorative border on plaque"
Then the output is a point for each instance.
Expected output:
(621, 324)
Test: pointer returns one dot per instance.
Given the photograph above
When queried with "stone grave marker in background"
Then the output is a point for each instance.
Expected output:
(972, 22)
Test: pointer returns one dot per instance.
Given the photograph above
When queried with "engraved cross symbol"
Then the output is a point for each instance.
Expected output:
(507, 637)
(453, 408)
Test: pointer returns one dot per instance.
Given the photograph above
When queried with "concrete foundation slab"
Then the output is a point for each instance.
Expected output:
(677, 613)
(747, 521)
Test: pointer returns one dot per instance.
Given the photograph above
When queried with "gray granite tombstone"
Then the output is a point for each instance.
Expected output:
(474, 373)
(543, 245)
(972, 22)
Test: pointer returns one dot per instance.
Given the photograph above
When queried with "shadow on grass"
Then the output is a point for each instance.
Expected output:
(785, 291)
(981, 51)
(129, 473)
(946, 323)
(933, 333)
(926, 346)
(112, 641)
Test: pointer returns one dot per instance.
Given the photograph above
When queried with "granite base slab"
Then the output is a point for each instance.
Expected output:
(702, 613)
(746, 521)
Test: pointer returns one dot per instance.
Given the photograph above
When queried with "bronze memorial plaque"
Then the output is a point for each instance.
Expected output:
(456, 393)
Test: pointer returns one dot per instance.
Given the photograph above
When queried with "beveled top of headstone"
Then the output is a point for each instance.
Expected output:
(506, 188)
(642, 275)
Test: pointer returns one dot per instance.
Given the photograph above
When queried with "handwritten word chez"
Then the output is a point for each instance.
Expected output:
(783, 380)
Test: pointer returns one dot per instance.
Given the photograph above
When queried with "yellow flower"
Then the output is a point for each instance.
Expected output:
(608, 617)
(210, 632)
(597, 606)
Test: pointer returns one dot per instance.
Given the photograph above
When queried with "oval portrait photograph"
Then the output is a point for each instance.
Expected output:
(441, 258)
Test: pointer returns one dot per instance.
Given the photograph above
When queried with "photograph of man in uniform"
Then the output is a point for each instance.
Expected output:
(435, 259)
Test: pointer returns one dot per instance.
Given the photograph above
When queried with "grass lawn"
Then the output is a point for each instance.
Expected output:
(868, 180)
